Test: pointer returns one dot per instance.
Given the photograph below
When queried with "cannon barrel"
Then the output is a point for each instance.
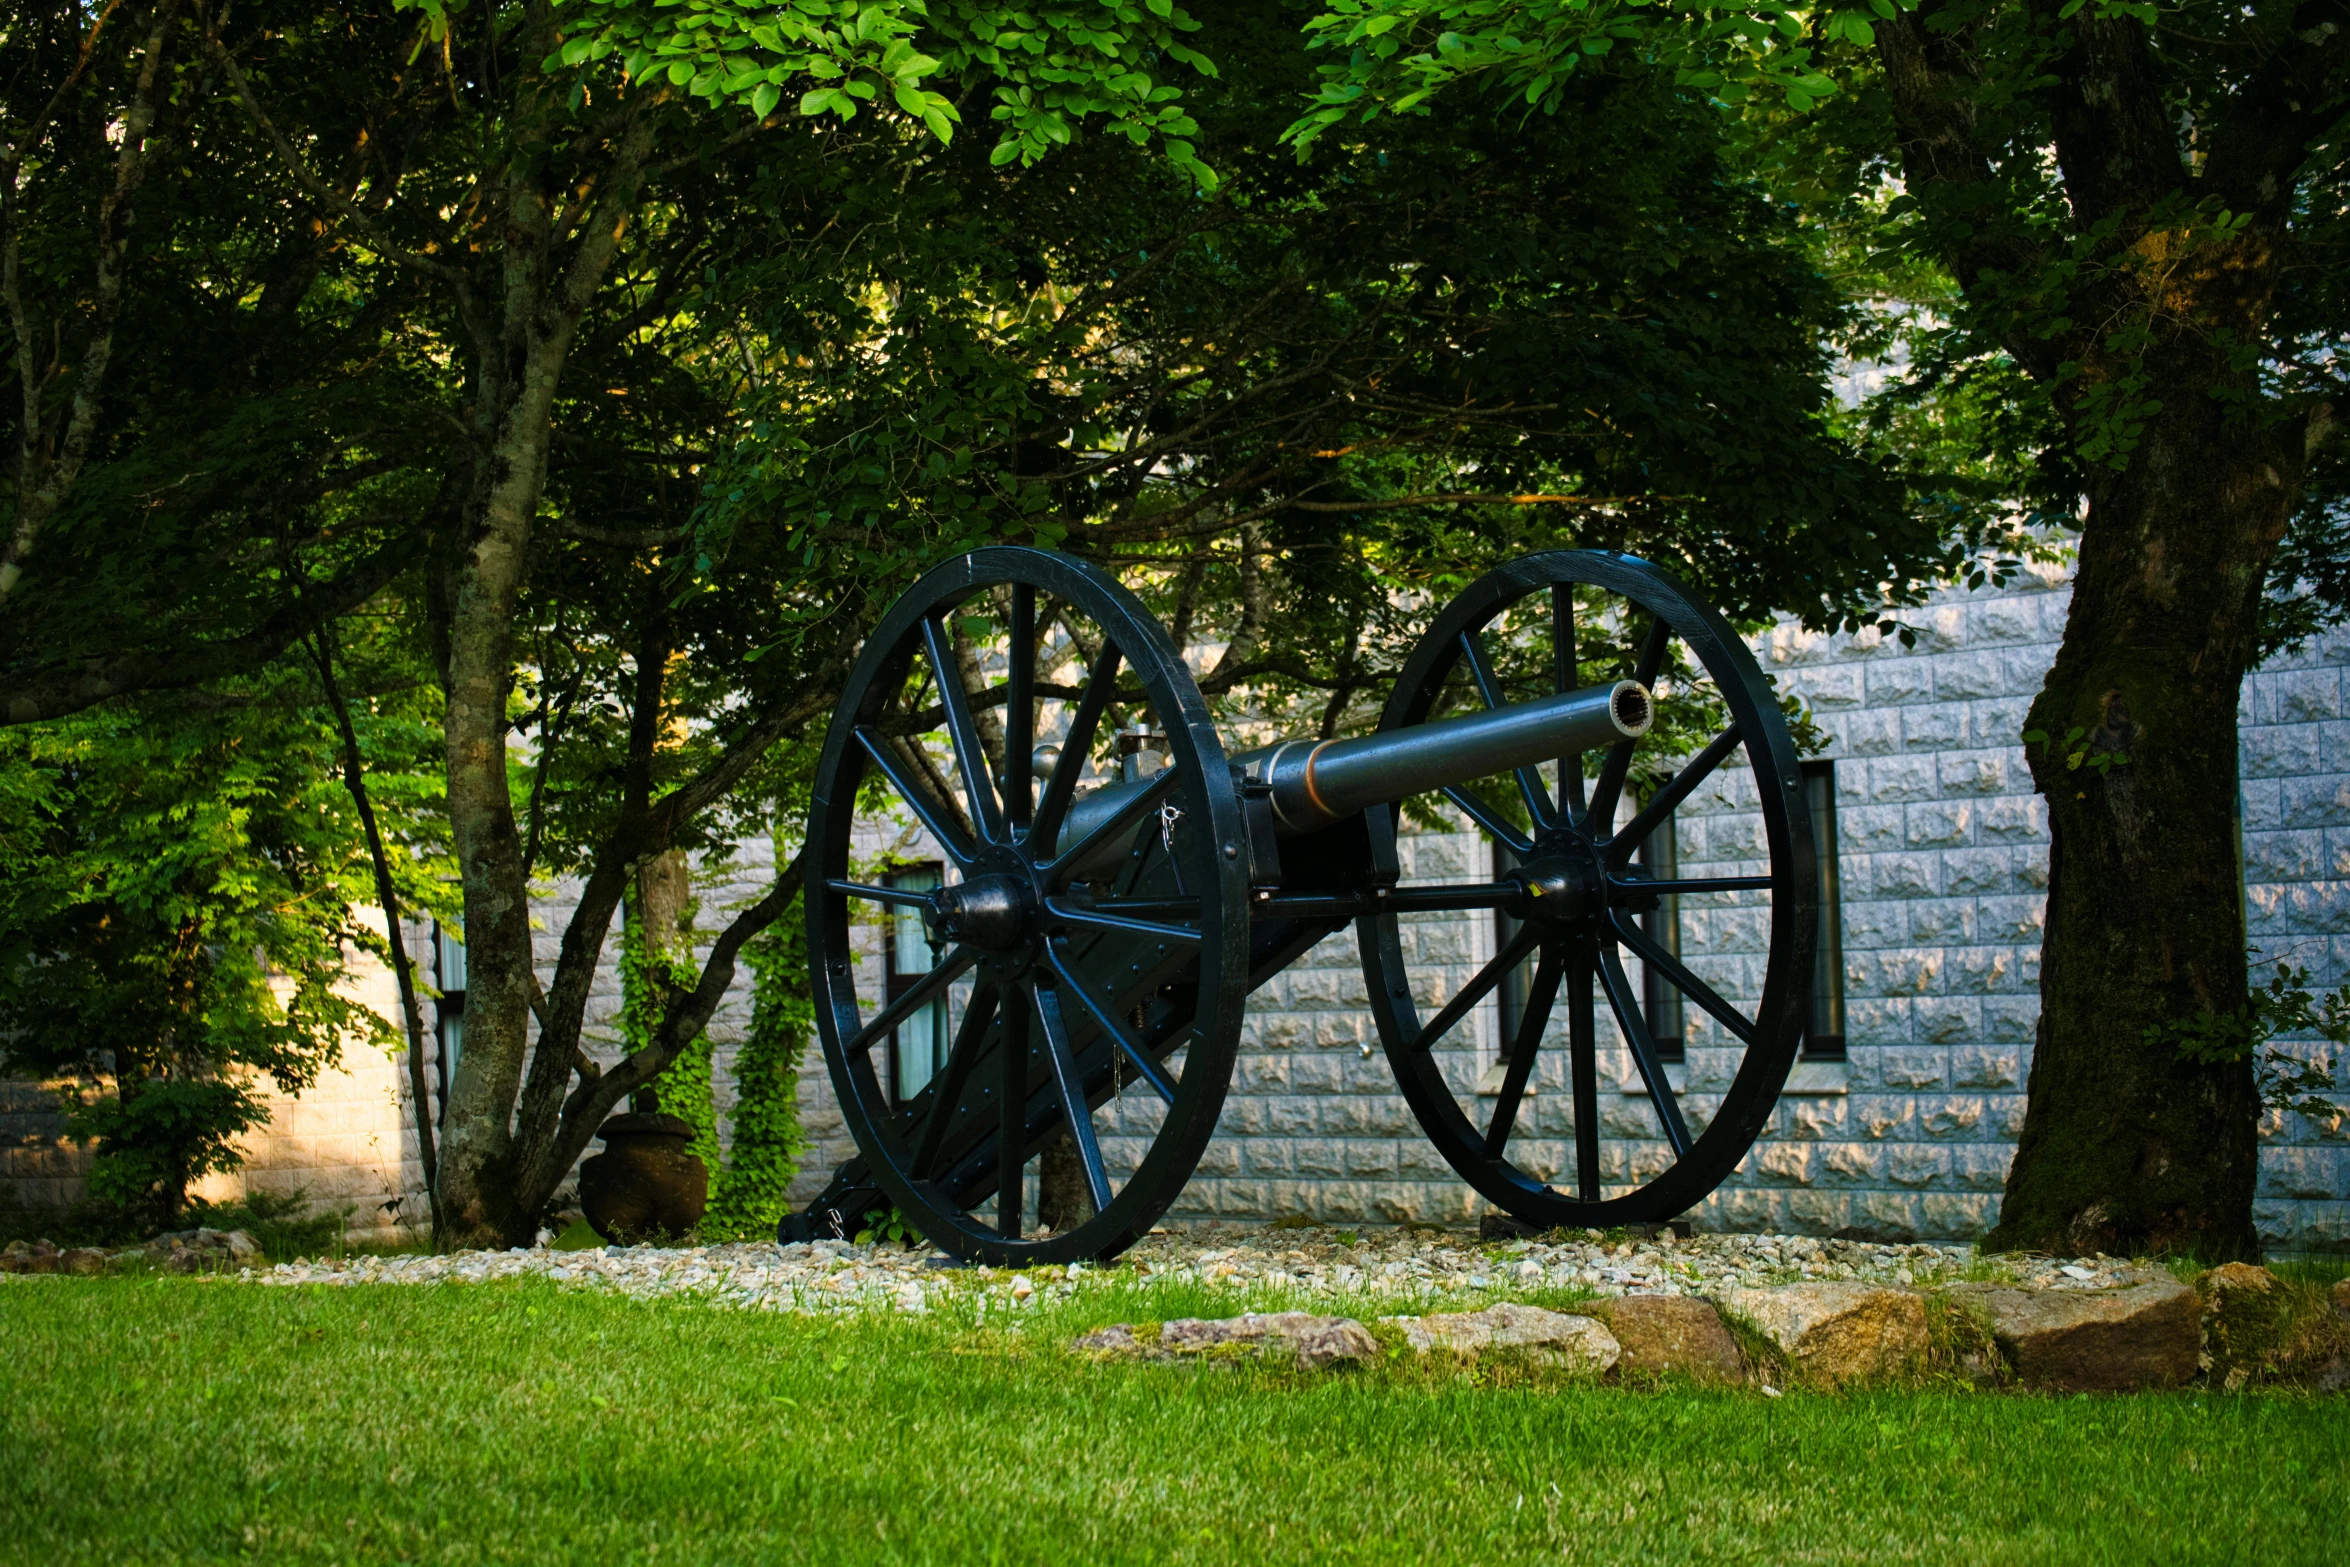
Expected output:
(1315, 783)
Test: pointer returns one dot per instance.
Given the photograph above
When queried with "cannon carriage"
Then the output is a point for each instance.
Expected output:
(1100, 921)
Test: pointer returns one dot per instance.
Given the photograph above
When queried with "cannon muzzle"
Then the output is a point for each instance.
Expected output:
(1318, 782)
(1315, 783)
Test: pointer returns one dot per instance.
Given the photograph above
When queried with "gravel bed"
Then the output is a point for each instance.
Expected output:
(1417, 1267)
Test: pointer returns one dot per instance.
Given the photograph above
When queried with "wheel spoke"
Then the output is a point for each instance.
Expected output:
(947, 1096)
(1485, 816)
(987, 812)
(1072, 1090)
(1101, 682)
(1626, 1007)
(1540, 997)
(1609, 786)
(1529, 780)
(1687, 983)
(1143, 908)
(1011, 1131)
(1020, 710)
(903, 897)
(1074, 914)
(1569, 678)
(951, 838)
(1583, 1061)
(1477, 989)
(923, 991)
(1442, 899)
(1129, 811)
(1677, 788)
(1152, 1072)
(1675, 888)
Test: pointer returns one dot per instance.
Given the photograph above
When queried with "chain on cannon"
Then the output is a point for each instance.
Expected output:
(1079, 962)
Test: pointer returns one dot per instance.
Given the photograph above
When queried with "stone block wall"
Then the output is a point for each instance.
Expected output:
(1943, 850)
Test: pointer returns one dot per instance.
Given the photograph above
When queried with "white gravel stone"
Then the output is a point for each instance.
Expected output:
(1416, 1268)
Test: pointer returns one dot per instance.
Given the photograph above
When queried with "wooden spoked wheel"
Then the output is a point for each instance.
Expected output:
(1063, 952)
(1571, 897)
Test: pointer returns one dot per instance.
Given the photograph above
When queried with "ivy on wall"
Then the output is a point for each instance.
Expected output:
(749, 1186)
(751, 1193)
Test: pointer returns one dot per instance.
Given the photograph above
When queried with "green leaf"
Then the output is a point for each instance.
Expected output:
(764, 98)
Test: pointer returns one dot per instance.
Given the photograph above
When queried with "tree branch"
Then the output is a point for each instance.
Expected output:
(34, 696)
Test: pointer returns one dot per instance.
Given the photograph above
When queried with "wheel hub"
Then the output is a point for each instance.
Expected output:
(992, 913)
(1563, 884)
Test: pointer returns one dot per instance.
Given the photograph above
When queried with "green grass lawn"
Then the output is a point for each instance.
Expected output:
(168, 1420)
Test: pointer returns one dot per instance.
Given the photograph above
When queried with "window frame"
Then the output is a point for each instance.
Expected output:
(895, 984)
(1827, 986)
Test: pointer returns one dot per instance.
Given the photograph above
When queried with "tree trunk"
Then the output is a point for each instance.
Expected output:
(2126, 1148)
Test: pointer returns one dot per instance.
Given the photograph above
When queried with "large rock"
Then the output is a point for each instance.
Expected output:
(2147, 1334)
(1299, 1335)
(1552, 1336)
(1672, 1333)
(29, 1257)
(204, 1250)
(2245, 1315)
(1838, 1332)
(85, 1260)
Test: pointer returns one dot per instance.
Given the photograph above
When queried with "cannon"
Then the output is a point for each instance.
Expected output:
(1111, 881)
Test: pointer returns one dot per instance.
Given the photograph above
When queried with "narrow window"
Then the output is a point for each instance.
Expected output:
(918, 1046)
(1515, 984)
(448, 977)
(1660, 860)
(1824, 1039)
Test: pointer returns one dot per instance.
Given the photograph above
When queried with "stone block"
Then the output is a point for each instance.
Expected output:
(2314, 802)
(2011, 817)
(1977, 1067)
(2011, 1019)
(1916, 1164)
(1813, 1119)
(2004, 619)
(2283, 750)
(1900, 779)
(1981, 1166)
(2304, 1174)
(2147, 1335)
(1833, 686)
(1221, 1158)
(1851, 1164)
(1944, 1216)
(1939, 824)
(1974, 773)
(1933, 727)
(1787, 1164)
(1667, 1335)
(2263, 804)
(1912, 1068)
(1949, 1020)
(1268, 1156)
(1882, 1117)
(1975, 872)
(1308, 1340)
(1836, 1333)
(1864, 733)
(1893, 682)
(1935, 922)
(1560, 1338)
(1814, 1212)
(1970, 675)
(2305, 695)
(1914, 971)
(1986, 971)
